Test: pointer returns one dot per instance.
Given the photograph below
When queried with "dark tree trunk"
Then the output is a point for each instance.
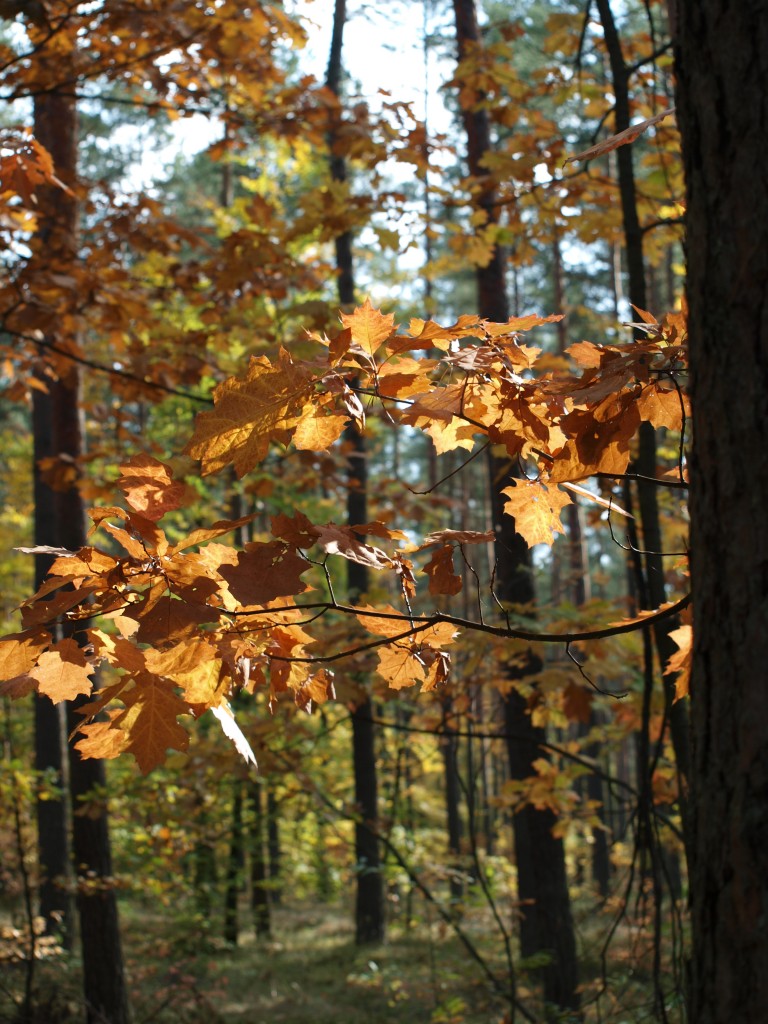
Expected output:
(449, 745)
(547, 924)
(273, 846)
(104, 985)
(235, 859)
(646, 463)
(369, 905)
(54, 847)
(723, 108)
(259, 892)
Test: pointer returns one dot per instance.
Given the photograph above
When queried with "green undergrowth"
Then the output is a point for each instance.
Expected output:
(180, 971)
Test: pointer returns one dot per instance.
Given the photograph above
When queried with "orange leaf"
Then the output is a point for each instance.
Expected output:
(680, 661)
(249, 414)
(102, 739)
(400, 666)
(442, 578)
(370, 328)
(150, 722)
(264, 572)
(536, 510)
(317, 428)
(149, 487)
(63, 673)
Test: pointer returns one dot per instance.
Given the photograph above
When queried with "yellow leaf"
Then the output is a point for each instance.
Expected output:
(680, 661)
(318, 429)
(400, 666)
(536, 510)
(249, 414)
(370, 328)
(63, 673)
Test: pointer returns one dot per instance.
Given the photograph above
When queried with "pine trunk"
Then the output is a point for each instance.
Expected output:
(723, 110)
(104, 984)
(546, 923)
(369, 904)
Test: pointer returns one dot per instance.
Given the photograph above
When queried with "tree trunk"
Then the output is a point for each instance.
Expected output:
(259, 893)
(546, 925)
(234, 873)
(273, 845)
(449, 746)
(104, 985)
(723, 110)
(646, 463)
(369, 906)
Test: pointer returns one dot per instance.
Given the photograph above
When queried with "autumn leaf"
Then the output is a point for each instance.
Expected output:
(19, 653)
(577, 703)
(264, 572)
(250, 413)
(149, 721)
(149, 487)
(458, 537)
(400, 665)
(536, 510)
(341, 540)
(680, 661)
(609, 505)
(370, 328)
(318, 429)
(63, 673)
(102, 738)
(442, 578)
(225, 716)
(620, 139)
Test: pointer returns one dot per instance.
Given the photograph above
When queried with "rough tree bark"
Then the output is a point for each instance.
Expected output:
(103, 978)
(546, 924)
(722, 69)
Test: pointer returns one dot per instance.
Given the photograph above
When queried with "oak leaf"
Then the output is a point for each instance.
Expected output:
(342, 540)
(149, 721)
(680, 661)
(249, 414)
(264, 572)
(149, 487)
(536, 510)
(102, 738)
(442, 577)
(317, 429)
(63, 672)
(370, 328)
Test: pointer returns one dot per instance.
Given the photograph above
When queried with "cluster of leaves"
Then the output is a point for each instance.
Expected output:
(190, 622)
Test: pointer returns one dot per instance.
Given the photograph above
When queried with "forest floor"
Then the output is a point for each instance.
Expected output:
(311, 972)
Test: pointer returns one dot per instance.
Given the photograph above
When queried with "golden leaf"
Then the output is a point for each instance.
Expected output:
(536, 510)
(370, 328)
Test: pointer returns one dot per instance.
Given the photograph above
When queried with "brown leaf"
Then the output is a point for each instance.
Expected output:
(442, 578)
(620, 139)
(265, 572)
(341, 540)
(149, 720)
(149, 487)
